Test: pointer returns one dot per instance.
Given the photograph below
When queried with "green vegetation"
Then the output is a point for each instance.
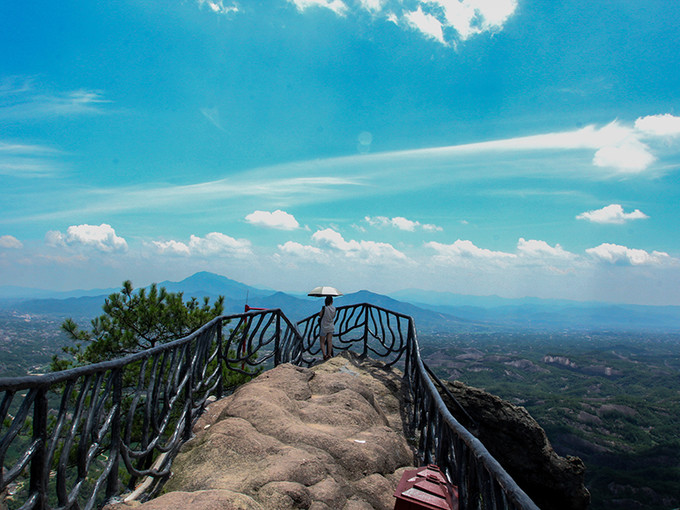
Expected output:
(611, 399)
(133, 322)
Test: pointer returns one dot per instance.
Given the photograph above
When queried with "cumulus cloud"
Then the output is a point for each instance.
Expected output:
(630, 155)
(172, 247)
(659, 125)
(278, 219)
(100, 237)
(214, 243)
(617, 254)
(611, 214)
(8, 241)
(369, 251)
(301, 250)
(463, 250)
(337, 6)
(401, 223)
(540, 249)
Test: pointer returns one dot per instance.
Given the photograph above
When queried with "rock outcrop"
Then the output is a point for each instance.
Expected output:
(332, 437)
(329, 437)
(519, 443)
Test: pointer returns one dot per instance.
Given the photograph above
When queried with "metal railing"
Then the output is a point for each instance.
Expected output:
(442, 440)
(77, 438)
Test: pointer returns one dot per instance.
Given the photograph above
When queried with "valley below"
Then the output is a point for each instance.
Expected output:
(612, 399)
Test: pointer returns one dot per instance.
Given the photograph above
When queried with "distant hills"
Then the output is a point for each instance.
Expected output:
(433, 311)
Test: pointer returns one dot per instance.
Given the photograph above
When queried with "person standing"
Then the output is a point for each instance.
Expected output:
(327, 326)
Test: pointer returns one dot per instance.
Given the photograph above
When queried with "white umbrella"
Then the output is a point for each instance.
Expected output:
(324, 291)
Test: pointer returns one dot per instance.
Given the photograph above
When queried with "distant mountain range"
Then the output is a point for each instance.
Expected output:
(433, 311)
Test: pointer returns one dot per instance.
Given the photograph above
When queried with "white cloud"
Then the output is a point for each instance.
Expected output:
(470, 17)
(100, 237)
(611, 214)
(368, 251)
(617, 254)
(630, 156)
(659, 125)
(426, 23)
(401, 223)
(278, 219)
(172, 247)
(372, 5)
(8, 241)
(216, 243)
(429, 227)
(301, 250)
(213, 244)
(540, 249)
(337, 6)
(617, 146)
(218, 7)
(463, 250)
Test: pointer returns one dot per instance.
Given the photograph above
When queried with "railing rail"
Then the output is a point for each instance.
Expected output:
(75, 439)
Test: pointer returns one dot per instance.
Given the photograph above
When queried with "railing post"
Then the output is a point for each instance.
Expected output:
(220, 362)
(39, 471)
(189, 393)
(365, 352)
(277, 341)
(114, 452)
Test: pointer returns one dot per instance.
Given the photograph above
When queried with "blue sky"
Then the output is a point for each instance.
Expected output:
(509, 147)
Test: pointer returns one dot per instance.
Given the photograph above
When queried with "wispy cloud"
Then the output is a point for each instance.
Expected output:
(21, 100)
(213, 116)
(317, 181)
(336, 6)
(218, 7)
(612, 214)
(23, 160)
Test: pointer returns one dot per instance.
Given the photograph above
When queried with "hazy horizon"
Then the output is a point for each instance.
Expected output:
(511, 148)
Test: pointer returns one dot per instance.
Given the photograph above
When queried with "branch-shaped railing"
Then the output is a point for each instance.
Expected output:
(77, 438)
(482, 482)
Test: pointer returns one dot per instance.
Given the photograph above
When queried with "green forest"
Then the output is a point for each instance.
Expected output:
(612, 399)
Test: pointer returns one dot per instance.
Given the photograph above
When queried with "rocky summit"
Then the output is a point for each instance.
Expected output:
(333, 437)
(329, 437)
